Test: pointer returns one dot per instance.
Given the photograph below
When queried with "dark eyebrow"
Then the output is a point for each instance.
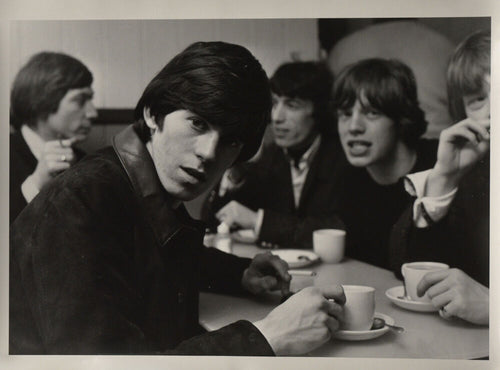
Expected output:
(83, 94)
(192, 115)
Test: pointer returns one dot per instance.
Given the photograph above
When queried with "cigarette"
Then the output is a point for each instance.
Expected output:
(302, 272)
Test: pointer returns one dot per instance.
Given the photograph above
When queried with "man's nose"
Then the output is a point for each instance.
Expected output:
(90, 111)
(356, 123)
(207, 146)
(278, 113)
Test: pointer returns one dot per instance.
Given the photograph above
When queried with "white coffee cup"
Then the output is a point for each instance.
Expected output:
(329, 244)
(413, 272)
(359, 308)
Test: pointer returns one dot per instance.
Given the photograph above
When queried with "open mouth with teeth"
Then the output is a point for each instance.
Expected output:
(358, 147)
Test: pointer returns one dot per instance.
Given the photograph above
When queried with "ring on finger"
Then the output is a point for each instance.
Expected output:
(63, 158)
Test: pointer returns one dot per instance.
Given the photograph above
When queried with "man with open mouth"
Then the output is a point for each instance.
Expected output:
(380, 124)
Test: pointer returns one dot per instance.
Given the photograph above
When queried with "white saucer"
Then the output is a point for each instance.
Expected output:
(396, 292)
(365, 334)
(244, 236)
(296, 257)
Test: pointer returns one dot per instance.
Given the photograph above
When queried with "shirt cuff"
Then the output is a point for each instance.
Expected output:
(426, 210)
(258, 222)
(29, 189)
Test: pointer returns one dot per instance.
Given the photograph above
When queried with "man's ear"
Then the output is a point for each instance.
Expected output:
(149, 119)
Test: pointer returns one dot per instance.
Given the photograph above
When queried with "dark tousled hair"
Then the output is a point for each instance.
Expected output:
(222, 83)
(41, 83)
(388, 86)
(307, 81)
(468, 66)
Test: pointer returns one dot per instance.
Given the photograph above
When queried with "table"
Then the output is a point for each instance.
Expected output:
(426, 335)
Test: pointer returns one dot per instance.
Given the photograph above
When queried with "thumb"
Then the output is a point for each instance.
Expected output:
(269, 282)
(66, 143)
(261, 284)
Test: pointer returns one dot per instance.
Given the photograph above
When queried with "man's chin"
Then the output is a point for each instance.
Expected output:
(358, 162)
(187, 193)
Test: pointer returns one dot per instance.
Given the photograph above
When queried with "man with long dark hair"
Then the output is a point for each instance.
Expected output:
(106, 260)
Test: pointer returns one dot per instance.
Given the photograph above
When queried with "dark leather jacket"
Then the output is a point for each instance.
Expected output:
(102, 263)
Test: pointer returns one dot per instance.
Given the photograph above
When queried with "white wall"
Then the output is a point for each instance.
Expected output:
(123, 55)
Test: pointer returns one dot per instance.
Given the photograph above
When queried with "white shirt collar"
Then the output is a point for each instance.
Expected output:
(33, 140)
(308, 156)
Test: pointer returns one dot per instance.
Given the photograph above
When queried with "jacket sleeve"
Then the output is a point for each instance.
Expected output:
(238, 339)
(222, 272)
(441, 242)
(81, 298)
(17, 201)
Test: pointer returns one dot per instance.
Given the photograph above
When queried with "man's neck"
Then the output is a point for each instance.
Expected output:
(398, 165)
(298, 151)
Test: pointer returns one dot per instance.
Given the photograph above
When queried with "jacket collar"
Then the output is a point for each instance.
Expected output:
(160, 208)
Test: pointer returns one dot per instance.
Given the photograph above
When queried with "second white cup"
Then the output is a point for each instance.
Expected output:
(359, 308)
(413, 272)
(329, 244)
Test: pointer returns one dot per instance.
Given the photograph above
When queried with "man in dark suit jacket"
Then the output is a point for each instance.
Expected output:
(291, 189)
(106, 259)
(51, 110)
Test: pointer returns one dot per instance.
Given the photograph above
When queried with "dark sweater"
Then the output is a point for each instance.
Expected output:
(369, 210)
(460, 239)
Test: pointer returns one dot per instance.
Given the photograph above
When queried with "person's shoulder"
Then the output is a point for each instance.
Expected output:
(98, 175)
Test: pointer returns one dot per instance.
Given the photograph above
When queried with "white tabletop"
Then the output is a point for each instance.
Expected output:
(426, 335)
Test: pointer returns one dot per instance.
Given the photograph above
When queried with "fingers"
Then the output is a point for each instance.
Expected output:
(430, 279)
(277, 267)
(334, 309)
(268, 282)
(62, 156)
(332, 324)
(229, 213)
(473, 131)
(280, 267)
(57, 166)
(443, 298)
(335, 292)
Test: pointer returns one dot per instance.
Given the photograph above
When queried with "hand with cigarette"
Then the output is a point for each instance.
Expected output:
(305, 321)
(56, 156)
(266, 272)
(461, 146)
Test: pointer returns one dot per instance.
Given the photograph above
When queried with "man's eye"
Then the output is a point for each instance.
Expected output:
(294, 104)
(81, 101)
(232, 142)
(343, 113)
(372, 113)
(198, 123)
(476, 102)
